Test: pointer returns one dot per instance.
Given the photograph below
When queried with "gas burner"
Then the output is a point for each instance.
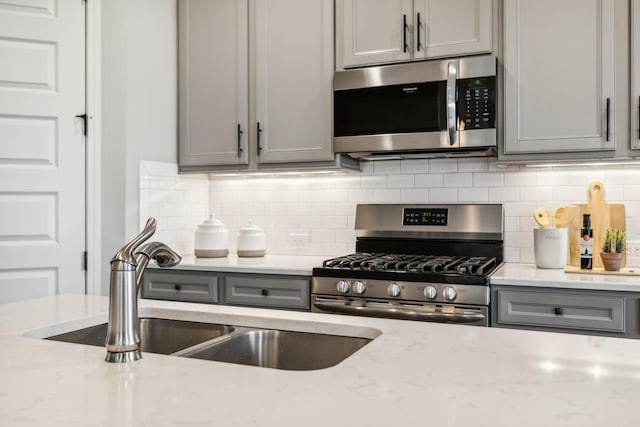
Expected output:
(403, 263)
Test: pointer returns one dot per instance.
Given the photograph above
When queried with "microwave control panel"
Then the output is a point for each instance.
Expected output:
(476, 103)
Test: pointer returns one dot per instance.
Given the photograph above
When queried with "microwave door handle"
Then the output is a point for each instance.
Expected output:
(452, 78)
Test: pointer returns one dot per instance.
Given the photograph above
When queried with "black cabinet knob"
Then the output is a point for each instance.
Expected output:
(177, 287)
(558, 310)
(265, 292)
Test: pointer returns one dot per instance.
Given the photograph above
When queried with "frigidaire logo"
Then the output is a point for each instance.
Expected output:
(413, 89)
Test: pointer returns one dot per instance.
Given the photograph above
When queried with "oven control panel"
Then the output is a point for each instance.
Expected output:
(425, 216)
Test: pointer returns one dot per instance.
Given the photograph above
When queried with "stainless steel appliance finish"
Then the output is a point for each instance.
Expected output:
(416, 262)
(421, 109)
(127, 266)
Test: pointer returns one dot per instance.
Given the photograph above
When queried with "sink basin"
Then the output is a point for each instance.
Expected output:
(269, 348)
(163, 336)
(230, 339)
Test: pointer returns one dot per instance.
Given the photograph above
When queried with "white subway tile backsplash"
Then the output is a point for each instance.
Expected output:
(324, 206)
(488, 179)
(458, 179)
(400, 181)
(443, 165)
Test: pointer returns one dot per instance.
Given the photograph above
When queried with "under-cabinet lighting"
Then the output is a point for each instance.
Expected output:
(278, 173)
(635, 162)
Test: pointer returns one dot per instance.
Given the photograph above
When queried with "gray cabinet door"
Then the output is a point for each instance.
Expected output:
(213, 83)
(181, 286)
(635, 74)
(265, 291)
(561, 310)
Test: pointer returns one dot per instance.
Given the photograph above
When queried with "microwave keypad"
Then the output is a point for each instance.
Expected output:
(476, 103)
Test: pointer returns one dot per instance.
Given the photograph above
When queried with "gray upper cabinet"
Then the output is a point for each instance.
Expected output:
(387, 31)
(635, 74)
(254, 83)
(559, 76)
(213, 82)
(566, 88)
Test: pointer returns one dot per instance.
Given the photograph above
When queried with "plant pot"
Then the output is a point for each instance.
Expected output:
(611, 261)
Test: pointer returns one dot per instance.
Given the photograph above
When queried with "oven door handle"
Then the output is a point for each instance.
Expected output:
(400, 313)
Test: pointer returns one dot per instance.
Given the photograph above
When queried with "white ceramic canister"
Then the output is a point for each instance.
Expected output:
(550, 247)
(251, 241)
(211, 239)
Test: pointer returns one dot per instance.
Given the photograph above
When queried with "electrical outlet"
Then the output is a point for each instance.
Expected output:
(299, 240)
(633, 253)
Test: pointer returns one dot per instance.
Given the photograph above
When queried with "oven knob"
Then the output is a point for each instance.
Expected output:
(430, 292)
(394, 289)
(359, 287)
(449, 293)
(343, 286)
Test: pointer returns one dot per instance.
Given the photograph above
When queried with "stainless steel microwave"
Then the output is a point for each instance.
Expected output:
(419, 109)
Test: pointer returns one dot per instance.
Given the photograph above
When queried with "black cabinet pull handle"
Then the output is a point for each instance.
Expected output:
(239, 140)
(258, 131)
(265, 292)
(558, 310)
(608, 109)
(419, 41)
(404, 33)
(177, 287)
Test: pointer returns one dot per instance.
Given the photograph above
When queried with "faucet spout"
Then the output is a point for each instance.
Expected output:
(127, 267)
(163, 255)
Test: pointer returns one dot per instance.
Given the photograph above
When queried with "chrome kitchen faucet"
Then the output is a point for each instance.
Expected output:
(127, 267)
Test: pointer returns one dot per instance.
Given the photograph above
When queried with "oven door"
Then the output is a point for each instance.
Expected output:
(403, 310)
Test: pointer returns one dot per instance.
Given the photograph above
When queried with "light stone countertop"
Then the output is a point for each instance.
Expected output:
(530, 275)
(413, 374)
(268, 264)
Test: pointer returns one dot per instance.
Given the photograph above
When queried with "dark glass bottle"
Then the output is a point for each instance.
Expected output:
(586, 243)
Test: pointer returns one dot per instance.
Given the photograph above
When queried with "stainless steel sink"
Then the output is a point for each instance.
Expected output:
(269, 348)
(163, 336)
(241, 344)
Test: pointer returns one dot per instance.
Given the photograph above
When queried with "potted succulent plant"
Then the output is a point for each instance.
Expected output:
(613, 250)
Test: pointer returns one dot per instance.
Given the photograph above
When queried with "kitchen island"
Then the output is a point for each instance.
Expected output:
(412, 374)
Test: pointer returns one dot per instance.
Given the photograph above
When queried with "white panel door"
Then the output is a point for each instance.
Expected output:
(635, 74)
(293, 80)
(42, 151)
(559, 76)
(373, 32)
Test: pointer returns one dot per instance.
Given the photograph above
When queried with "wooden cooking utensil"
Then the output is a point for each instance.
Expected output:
(564, 215)
(542, 217)
(603, 217)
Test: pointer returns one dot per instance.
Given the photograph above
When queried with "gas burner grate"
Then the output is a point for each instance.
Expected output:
(402, 263)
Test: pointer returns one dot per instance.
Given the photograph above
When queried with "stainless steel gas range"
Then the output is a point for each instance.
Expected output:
(427, 262)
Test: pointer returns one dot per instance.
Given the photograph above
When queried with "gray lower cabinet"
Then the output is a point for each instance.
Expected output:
(181, 286)
(268, 291)
(566, 310)
(251, 289)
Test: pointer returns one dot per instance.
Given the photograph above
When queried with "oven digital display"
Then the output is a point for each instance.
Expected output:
(415, 216)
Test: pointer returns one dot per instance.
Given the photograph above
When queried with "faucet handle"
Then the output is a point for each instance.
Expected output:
(127, 253)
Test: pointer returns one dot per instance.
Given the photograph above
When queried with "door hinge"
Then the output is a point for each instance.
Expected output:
(85, 261)
(84, 122)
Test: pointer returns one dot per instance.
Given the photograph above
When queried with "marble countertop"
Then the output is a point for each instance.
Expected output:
(268, 264)
(530, 275)
(413, 374)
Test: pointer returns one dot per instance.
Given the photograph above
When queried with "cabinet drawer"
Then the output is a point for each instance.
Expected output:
(557, 310)
(191, 287)
(278, 291)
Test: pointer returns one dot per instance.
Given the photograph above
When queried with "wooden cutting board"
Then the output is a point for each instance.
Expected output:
(622, 272)
(603, 217)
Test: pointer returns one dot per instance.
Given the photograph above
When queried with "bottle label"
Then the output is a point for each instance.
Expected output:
(586, 246)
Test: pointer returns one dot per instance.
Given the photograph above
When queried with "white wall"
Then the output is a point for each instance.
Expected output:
(139, 102)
